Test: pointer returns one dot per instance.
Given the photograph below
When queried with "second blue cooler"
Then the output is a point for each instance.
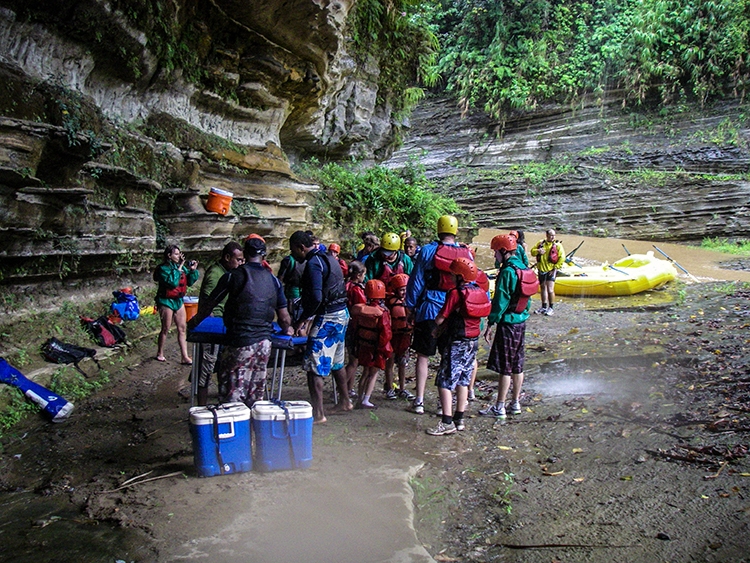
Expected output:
(283, 435)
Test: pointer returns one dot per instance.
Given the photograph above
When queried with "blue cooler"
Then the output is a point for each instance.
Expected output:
(221, 439)
(282, 432)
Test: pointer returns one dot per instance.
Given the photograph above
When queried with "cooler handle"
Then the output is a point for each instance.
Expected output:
(229, 434)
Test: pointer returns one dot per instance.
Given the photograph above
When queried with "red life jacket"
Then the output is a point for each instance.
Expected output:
(367, 332)
(399, 317)
(445, 254)
(389, 271)
(476, 303)
(179, 291)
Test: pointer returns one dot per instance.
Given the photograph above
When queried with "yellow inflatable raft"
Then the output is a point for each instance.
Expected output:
(628, 276)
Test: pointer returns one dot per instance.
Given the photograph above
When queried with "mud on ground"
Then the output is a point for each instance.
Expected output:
(632, 446)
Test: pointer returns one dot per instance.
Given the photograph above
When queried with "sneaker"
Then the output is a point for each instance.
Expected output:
(418, 408)
(497, 412)
(514, 407)
(439, 411)
(352, 394)
(460, 426)
(391, 395)
(408, 395)
(442, 429)
(549, 312)
(472, 397)
(541, 311)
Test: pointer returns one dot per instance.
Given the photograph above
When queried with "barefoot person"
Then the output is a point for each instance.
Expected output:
(173, 277)
(324, 301)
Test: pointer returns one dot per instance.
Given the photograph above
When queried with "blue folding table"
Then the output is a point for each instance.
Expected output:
(211, 330)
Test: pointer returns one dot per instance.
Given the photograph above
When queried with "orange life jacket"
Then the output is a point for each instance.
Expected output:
(399, 317)
(367, 332)
(445, 254)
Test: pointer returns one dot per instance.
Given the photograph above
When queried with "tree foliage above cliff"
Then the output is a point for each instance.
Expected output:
(504, 54)
(396, 34)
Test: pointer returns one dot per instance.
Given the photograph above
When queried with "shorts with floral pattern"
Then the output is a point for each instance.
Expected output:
(243, 372)
(326, 348)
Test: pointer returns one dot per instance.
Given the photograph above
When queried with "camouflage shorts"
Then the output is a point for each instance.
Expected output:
(243, 372)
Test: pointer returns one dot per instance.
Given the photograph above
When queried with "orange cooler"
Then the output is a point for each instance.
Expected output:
(191, 306)
(219, 201)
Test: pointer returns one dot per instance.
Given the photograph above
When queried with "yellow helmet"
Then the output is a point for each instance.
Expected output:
(447, 224)
(390, 241)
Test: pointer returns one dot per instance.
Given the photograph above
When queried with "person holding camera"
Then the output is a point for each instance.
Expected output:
(174, 276)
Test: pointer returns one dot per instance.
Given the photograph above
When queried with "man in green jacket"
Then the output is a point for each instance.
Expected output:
(231, 258)
(508, 348)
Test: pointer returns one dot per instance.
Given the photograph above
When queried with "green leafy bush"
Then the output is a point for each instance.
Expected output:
(354, 199)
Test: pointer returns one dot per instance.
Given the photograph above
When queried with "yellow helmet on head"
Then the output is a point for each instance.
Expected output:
(390, 241)
(447, 224)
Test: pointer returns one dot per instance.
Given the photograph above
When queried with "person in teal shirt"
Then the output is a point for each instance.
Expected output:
(174, 277)
(508, 347)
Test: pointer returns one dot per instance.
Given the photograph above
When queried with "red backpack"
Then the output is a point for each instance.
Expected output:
(528, 285)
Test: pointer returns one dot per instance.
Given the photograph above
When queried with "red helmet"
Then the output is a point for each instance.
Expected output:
(255, 236)
(503, 242)
(465, 268)
(334, 247)
(398, 281)
(513, 234)
(375, 289)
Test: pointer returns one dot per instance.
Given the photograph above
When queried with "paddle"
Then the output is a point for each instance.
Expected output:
(569, 257)
(618, 270)
(675, 263)
(626, 250)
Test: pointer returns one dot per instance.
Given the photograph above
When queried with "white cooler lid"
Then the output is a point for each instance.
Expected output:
(222, 192)
(228, 411)
(267, 410)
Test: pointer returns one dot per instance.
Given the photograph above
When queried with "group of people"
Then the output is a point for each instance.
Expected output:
(369, 312)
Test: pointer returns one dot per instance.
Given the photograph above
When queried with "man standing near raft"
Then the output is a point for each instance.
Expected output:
(550, 257)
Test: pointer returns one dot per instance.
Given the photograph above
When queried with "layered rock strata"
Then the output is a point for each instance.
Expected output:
(593, 170)
(120, 116)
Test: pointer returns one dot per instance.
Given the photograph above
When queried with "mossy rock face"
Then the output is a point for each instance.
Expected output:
(166, 128)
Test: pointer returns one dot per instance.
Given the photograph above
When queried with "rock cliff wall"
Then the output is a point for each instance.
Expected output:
(593, 170)
(117, 117)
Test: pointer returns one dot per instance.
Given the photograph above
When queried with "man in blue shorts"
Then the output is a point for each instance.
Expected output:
(323, 299)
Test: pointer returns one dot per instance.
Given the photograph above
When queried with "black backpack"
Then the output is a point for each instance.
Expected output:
(64, 353)
(104, 332)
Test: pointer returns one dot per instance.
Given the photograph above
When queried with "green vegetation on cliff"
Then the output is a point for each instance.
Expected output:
(352, 200)
(499, 55)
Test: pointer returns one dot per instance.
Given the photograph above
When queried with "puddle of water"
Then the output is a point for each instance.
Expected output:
(35, 528)
(621, 378)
